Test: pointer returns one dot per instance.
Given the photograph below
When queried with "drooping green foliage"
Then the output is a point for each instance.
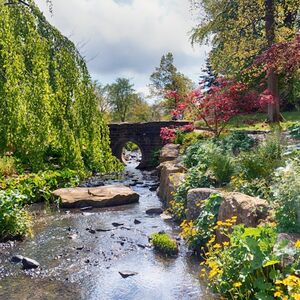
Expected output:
(48, 106)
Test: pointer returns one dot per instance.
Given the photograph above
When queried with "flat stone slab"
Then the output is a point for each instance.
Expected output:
(102, 196)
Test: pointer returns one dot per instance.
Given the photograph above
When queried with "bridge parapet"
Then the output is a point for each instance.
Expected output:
(145, 135)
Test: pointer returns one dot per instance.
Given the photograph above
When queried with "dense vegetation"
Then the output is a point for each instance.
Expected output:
(48, 106)
(50, 122)
(239, 262)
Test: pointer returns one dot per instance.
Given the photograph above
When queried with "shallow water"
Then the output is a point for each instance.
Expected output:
(77, 264)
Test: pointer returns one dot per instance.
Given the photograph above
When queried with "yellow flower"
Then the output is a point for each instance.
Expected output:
(217, 246)
(297, 244)
(237, 284)
(291, 280)
(278, 294)
(226, 244)
(296, 296)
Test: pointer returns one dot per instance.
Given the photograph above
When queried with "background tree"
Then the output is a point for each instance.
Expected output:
(240, 30)
(101, 93)
(140, 111)
(121, 97)
(166, 78)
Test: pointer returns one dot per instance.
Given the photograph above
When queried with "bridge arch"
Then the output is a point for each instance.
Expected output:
(145, 135)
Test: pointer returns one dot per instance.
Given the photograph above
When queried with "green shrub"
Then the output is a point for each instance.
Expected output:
(286, 197)
(15, 221)
(7, 166)
(236, 142)
(38, 187)
(164, 244)
(222, 167)
(199, 153)
(262, 161)
(248, 267)
(254, 187)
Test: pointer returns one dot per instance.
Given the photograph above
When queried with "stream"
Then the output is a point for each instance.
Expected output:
(81, 254)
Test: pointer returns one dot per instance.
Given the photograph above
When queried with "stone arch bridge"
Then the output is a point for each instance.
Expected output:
(145, 135)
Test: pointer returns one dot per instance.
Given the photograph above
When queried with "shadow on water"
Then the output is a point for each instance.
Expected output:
(80, 263)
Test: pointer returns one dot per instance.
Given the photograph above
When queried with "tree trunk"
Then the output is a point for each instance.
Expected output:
(273, 108)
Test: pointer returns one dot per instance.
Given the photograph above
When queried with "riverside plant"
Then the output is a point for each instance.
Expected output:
(247, 266)
(15, 221)
(164, 244)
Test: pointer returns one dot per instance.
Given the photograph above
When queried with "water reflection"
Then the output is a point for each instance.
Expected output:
(76, 264)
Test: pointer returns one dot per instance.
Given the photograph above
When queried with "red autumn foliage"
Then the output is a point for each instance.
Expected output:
(283, 58)
(226, 99)
(168, 134)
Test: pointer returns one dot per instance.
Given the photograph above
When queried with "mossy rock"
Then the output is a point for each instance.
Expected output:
(164, 244)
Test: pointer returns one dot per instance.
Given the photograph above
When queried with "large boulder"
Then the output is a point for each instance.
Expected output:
(169, 152)
(194, 198)
(103, 196)
(171, 175)
(249, 211)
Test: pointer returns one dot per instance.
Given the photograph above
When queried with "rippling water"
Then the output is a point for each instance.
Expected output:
(76, 264)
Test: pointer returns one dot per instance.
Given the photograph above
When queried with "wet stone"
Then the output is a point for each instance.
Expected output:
(126, 274)
(154, 211)
(29, 263)
(16, 259)
(115, 224)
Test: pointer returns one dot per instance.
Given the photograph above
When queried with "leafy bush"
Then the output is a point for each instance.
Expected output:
(212, 159)
(247, 267)
(254, 187)
(198, 233)
(195, 178)
(262, 161)
(236, 142)
(15, 221)
(7, 166)
(164, 244)
(286, 197)
(222, 167)
(37, 187)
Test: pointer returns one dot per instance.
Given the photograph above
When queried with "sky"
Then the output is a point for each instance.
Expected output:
(126, 38)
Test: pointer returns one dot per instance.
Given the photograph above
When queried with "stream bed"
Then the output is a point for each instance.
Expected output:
(82, 252)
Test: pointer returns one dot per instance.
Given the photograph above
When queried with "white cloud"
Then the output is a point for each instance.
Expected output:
(128, 37)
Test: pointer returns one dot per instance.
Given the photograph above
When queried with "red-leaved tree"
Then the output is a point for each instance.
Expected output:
(225, 99)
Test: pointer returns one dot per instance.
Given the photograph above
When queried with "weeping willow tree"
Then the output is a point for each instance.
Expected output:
(48, 106)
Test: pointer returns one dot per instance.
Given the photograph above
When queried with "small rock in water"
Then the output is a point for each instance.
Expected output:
(103, 229)
(16, 259)
(153, 188)
(72, 236)
(154, 211)
(136, 221)
(126, 274)
(166, 216)
(115, 224)
(29, 263)
(86, 208)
